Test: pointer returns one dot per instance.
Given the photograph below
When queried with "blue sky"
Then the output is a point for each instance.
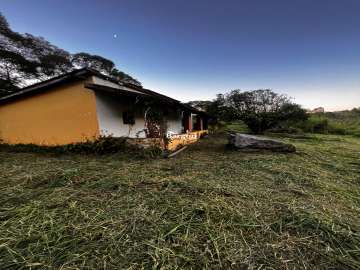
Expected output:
(190, 50)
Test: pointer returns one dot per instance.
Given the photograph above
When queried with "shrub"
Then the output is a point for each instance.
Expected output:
(314, 125)
(321, 124)
(101, 146)
(335, 129)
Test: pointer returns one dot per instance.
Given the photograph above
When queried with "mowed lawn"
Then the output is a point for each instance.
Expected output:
(208, 207)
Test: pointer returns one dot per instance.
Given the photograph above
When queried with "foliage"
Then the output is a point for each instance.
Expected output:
(13, 69)
(341, 123)
(215, 108)
(201, 105)
(106, 66)
(123, 77)
(6, 87)
(50, 59)
(315, 125)
(291, 112)
(259, 109)
(25, 58)
(347, 121)
(99, 63)
(155, 121)
(101, 146)
(54, 65)
(208, 208)
(220, 109)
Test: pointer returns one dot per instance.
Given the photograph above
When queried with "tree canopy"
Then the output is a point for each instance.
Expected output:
(260, 109)
(25, 59)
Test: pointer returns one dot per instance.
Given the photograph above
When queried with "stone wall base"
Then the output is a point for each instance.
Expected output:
(175, 142)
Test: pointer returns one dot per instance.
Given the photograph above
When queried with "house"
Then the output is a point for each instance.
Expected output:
(318, 110)
(84, 104)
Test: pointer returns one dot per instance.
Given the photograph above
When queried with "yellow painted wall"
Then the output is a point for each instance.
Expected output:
(65, 114)
(184, 139)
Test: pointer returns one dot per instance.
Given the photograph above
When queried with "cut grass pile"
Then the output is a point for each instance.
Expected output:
(207, 208)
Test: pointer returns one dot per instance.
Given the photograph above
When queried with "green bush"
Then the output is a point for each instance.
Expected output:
(315, 125)
(101, 146)
(338, 130)
(322, 125)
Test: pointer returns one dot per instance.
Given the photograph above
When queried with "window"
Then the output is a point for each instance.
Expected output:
(128, 118)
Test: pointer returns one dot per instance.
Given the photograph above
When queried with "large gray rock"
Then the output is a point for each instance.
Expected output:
(249, 142)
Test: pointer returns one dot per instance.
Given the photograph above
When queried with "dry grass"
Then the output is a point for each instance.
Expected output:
(207, 208)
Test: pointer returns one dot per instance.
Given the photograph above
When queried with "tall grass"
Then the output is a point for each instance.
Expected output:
(340, 123)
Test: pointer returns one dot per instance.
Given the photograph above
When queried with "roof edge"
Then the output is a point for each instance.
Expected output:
(83, 73)
(43, 85)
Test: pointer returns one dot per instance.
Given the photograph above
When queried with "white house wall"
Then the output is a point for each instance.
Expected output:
(110, 117)
(174, 122)
(109, 112)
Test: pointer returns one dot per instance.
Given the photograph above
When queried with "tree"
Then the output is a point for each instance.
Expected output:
(51, 60)
(260, 109)
(201, 105)
(24, 57)
(290, 112)
(215, 108)
(7, 88)
(122, 76)
(81, 60)
(54, 65)
(356, 110)
(14, 68)
(105, 66)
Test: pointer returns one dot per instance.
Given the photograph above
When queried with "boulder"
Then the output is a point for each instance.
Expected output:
(250, 142)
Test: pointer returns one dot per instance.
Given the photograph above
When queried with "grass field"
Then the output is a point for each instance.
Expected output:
(207, 208)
